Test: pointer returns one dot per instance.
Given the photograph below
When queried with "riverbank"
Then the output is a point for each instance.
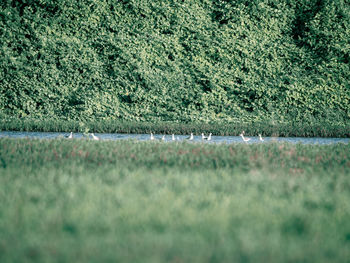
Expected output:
(127, 201)
(276, 129)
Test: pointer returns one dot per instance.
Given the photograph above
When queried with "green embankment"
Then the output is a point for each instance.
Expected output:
(166, 60)
(128, 201)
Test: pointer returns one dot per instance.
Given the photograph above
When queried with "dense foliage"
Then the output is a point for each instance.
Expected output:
(128, 201)
(195, 60)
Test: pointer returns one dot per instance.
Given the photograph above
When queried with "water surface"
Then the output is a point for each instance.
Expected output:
(197, 138)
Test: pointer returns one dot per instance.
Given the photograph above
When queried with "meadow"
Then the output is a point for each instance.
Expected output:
(130, 201)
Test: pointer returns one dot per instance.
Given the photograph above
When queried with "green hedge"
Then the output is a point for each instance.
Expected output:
(168, 60)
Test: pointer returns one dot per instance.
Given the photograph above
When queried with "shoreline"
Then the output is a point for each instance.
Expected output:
(287, 129)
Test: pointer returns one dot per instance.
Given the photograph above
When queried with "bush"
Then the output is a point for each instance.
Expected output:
(175, 61)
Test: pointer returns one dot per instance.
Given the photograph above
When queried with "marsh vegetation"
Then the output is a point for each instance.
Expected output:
(131, 201)
(267, 128)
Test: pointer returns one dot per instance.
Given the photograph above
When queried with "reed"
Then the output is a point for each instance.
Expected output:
(266, 128)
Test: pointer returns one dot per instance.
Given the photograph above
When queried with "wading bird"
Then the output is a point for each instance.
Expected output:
(94, 137)
(191, 137)
(173, 137)
(70, 136)
(152, 137)
(244, 139)
(260, 138)
(206, 138)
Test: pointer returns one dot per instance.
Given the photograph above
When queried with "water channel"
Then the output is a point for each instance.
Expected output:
(197, 138)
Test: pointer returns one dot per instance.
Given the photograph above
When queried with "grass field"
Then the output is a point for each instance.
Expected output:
(129, 201)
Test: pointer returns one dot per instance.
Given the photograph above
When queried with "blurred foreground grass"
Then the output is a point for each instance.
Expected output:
(129, 201)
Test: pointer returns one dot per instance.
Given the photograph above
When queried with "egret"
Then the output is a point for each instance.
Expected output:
(244, 139)
(173, 137)
(152, 137)
(260, 138)
(206, 138)
(209, 137)
(94, 137)
(70, 136)
(191, 137)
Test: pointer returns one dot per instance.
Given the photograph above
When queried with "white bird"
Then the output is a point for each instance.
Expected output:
(94, 137)
(173, 137)
(260, 138)
(191, 137)
(206, 138)
(70, 136)
(163, 138)
(152, 137)
(244, 139)
(209, 137)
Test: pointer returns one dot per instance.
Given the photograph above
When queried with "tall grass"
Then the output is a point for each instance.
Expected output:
(179, 155)
(288, 129)
(132, 201)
